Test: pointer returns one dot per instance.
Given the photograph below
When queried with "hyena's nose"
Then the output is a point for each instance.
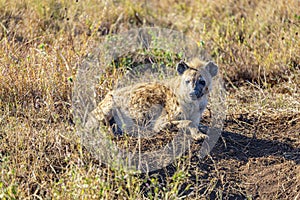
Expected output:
(198, 93)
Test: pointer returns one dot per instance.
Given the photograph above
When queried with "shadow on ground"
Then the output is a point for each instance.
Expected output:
(242, 148)
(241, 167)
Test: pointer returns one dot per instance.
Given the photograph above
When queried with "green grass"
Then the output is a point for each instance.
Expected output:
(255, 43)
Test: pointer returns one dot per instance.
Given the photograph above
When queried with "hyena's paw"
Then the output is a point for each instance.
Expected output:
(188, 127)
(197, 135)
(158, 127)
(182, 123)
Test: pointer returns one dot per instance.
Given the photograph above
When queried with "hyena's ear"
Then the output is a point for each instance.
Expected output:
(181, 67)
(212, 68)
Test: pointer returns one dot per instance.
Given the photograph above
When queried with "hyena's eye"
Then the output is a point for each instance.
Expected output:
(202, 82)
(187, 81)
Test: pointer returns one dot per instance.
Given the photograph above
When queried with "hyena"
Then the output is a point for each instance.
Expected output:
(154, 106)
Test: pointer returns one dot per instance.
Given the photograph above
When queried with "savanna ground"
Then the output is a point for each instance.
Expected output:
(255, 43)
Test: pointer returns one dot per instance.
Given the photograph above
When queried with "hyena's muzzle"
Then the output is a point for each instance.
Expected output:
(198, 88)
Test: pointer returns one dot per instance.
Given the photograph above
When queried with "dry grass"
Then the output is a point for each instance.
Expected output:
(256, 43)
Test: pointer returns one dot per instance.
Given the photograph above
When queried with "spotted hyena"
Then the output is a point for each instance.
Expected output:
(154, 106)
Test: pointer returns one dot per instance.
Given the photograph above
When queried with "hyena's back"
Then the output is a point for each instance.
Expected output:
(146, 102)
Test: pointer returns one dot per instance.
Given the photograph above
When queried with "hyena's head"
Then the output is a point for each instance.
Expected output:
(196, 78)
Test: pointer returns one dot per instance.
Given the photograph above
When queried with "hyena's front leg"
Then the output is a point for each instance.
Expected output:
(190, 128)
(161, 124)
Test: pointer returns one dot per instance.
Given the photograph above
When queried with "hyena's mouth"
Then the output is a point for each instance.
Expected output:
(196, 95)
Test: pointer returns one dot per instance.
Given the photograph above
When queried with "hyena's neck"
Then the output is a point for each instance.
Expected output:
(173, 84)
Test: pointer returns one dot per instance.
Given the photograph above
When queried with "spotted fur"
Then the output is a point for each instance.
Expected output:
(152, 106)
